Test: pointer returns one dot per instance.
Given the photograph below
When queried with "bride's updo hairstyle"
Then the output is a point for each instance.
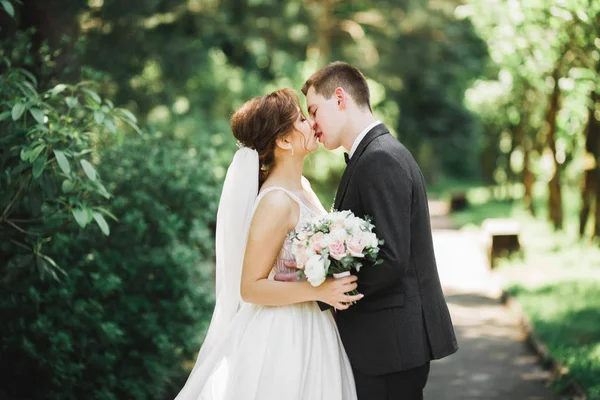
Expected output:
(262, 120)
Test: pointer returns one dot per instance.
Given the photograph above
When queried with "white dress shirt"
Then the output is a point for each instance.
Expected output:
(361, 136)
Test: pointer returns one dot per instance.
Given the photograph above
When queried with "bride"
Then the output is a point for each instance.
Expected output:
(268, 340)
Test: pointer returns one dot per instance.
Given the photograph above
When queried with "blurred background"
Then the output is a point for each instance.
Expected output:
(114, 142)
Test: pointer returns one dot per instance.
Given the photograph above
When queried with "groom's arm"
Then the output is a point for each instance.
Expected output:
(386, 196)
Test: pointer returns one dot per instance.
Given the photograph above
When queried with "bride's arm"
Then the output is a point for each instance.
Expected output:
(275, 215)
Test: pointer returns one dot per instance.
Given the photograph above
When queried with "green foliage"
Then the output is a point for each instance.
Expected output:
(564, 316)
(529, 41)
(48, 178)
(134, 305)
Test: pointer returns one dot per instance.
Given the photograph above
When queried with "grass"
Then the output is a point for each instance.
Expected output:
(557, 281)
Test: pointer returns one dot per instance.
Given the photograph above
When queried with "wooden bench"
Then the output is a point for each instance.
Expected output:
(458, 201)
(501, 238)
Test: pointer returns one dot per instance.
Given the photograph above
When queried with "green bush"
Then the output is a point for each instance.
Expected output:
(132, 310)
(47, 178)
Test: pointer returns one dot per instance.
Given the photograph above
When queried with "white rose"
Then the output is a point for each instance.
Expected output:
(369, 239)
(315, 269)
(338, 216)
(338, 234)
(353, 224)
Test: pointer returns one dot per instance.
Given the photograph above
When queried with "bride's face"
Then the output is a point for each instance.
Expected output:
(304, 139)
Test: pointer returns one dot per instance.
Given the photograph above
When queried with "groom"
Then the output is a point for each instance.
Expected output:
(403, 321)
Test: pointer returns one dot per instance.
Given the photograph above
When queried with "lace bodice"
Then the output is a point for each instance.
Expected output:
(285, 260)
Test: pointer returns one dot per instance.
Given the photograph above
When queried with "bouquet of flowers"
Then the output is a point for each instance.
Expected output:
(333, 245)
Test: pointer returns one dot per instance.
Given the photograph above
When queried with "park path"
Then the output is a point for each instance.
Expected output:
(493, 361)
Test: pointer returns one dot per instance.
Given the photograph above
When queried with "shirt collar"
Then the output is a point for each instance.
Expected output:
(361, 136)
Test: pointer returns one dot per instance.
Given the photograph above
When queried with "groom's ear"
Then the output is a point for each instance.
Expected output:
(341, 97)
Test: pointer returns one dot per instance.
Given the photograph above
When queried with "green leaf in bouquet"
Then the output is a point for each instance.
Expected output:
(348, 262)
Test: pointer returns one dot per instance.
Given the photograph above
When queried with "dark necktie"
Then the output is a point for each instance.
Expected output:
(346, 157)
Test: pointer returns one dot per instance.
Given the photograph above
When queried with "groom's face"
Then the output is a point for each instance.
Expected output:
(328, 118)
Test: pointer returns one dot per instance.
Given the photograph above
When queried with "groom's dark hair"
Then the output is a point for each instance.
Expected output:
(340, 74)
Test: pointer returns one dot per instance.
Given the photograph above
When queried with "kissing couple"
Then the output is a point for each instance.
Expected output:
(273, 336)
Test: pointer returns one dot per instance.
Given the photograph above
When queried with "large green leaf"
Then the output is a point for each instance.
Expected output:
(36, 152)
(106, 212)
(71, 101)
(127, 114)
(17, 111)
(5, 115)
(25, 153)
(89, 169)
(81, 216)
(10, 10)
(110, 124)
(98, 116)
(63, 163)
(101, 223)
(37, 114)
(58, 89)
(93, 95)
(38, 166)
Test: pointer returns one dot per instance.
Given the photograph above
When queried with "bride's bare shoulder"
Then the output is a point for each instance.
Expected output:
(277, 206)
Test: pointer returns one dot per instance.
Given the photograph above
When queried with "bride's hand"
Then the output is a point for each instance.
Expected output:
(333, 292)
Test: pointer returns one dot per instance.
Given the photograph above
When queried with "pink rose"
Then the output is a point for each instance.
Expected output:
(355, 247)
(337, 250)
(301, 257)
(317, 242)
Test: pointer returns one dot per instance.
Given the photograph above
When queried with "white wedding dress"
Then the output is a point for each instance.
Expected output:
(275, 353)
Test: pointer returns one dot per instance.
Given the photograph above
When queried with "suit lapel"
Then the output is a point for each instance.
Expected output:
(373, 133)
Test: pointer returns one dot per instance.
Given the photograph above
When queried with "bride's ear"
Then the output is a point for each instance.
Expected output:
(284, 143)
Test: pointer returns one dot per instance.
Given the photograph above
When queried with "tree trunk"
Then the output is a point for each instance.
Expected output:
(589, 192)
(528, 178)
(555, 209)
(325, 25)
(594, 134)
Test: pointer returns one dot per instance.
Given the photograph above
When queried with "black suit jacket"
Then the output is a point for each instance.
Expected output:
(403, 321)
